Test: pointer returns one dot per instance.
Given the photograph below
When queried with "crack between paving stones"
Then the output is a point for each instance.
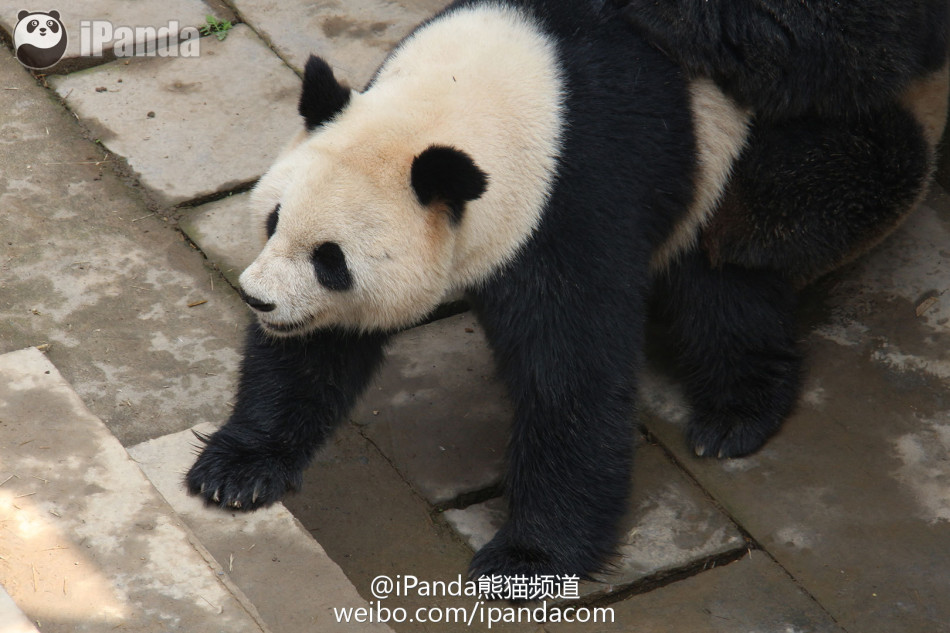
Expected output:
(116, 163)
(752, 544)
(239, 17)
(434, 515)
(638, 587)
(239, 188)
(663, 578)
(655, 441)
(471, 498)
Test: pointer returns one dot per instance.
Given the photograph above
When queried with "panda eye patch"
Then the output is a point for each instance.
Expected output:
(271, 225)
(329, 262)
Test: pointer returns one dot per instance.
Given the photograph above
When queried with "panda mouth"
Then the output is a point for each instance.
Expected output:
(288, 329)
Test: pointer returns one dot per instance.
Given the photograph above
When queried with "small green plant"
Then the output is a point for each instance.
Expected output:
(220, 28)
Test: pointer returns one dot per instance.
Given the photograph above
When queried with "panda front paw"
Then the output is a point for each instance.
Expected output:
(240, 475)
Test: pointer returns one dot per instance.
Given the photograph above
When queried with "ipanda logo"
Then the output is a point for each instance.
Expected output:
(171, 40)
(39, 38)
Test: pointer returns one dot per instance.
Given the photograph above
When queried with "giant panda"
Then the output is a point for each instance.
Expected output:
(551, 161)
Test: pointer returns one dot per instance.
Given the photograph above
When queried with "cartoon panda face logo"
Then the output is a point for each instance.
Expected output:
(40, 39)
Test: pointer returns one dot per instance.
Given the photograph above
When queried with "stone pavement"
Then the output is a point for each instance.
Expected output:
(123, 225)
(77, 513)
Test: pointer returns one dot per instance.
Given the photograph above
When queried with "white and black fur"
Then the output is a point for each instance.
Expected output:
(556, 166)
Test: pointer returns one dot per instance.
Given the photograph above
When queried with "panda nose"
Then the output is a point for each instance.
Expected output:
(256, 303)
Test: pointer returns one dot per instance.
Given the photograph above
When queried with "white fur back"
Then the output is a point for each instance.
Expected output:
(485, 80)
(721, 129)
(926, 98)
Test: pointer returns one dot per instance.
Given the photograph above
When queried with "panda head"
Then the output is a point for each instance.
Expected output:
(40, 39)
(361, 215)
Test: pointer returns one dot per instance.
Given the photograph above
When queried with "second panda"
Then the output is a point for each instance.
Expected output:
(547, 160)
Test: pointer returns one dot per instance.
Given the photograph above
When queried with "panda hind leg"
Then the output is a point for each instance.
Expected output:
(806, 195)
(735, 332)
(809, 194)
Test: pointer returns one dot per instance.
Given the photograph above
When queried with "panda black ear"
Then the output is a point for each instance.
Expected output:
(447, 175)
(54, 14)
(22, 14)
(322, 96)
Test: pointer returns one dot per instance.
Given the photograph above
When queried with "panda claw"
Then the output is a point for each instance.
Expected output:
(700, 451)
(255, 495)
(236, 504)
(216, 497)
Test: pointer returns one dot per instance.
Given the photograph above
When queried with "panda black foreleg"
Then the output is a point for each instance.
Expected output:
(292, 394)
(735, 332)
(569, 362)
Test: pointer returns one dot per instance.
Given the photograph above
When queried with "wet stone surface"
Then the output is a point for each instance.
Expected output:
(354, 36)
(437, 411)
(851, 496)
(752, 594)
(255, 548)
(143, 329)
(670, 524)
(89, 544)
(227, 232)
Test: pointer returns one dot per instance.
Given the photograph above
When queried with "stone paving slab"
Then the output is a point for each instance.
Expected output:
(267, 553)
(13, 619)
(851, 497)
(146, 332)
(227, 234)
(132, 14)
(372, 523)
(191, 127)
(437, 411)
(354, 36)
(88, 544)
(670, 525)
(750, 595)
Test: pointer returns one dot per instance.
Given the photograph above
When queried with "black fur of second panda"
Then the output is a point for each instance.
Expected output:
(784, 58)
(833, 163)
(566, 318)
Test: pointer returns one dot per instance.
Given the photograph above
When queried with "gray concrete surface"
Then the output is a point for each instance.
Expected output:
(670, 525)
(88, 269)
(437, 412)
(227, 233)
(750, 595)
(264, 553)
(354, 36)
(88, 544)
(846, 510)
(14, 620)
(852, 497)
(188, 126)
